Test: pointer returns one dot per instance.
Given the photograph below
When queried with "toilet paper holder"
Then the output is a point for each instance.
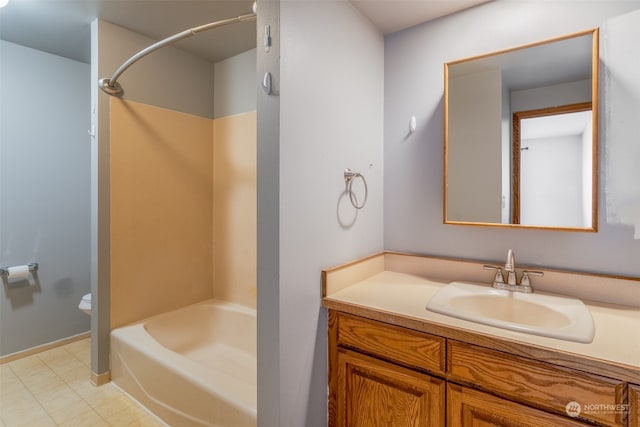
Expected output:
(4, 271)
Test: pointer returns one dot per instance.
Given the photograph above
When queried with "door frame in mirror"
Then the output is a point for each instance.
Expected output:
(516, 152)
(595, 131)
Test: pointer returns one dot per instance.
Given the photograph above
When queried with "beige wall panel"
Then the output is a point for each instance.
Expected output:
(235, 198)
(161, 210)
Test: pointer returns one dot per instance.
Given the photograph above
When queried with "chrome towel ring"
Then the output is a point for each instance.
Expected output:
(349, 176)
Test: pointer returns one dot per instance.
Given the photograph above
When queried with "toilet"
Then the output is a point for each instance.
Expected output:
(85, 304)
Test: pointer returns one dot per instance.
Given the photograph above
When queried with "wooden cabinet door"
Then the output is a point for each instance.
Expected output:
(471, 408)
(634, 406)
(373, 393)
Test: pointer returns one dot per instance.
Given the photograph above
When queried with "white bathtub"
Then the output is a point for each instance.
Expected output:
(195, 366)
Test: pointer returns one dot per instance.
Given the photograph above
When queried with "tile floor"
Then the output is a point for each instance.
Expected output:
(52, 388)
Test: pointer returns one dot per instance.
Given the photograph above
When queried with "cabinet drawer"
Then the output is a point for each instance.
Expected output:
(538, 383)
(404, 346)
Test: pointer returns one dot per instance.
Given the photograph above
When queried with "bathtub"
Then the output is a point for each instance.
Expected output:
(195, 366)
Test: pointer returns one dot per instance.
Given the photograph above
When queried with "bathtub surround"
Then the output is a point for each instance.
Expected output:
(183, 220)
(234, 180)
(44, 196)
(187, 84)
(234, 209)
(161, 210)
(110, 46)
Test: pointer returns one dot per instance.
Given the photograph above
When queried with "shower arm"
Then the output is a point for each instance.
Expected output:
(112, 87)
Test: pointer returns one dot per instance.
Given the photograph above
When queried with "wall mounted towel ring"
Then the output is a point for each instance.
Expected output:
(349, 176)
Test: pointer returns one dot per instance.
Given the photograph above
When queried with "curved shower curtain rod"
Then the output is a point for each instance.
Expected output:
(112, 87)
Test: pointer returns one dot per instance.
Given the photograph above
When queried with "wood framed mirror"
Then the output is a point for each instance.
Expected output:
(500, 109)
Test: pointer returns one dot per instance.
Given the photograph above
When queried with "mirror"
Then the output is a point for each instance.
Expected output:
(521, 136)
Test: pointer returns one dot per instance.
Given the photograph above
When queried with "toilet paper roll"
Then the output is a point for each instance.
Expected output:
(18, 272)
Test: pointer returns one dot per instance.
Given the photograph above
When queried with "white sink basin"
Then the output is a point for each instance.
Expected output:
(538, 314)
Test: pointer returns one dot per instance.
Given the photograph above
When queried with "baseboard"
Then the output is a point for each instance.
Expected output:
(100, 379)
(44, 347)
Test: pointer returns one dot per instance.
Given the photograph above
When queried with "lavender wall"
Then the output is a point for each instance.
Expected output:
(413, 168)
(44, 195)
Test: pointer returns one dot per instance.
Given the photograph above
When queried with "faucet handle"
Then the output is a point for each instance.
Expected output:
(499, 278)
(525, 281)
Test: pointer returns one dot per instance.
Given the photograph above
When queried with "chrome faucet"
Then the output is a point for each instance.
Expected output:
(512, 280)
(510, 268)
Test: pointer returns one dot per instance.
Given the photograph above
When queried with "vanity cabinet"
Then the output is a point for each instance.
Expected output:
(380, 375)
(386, 375)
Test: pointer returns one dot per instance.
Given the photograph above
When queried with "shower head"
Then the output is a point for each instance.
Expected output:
(112, 89)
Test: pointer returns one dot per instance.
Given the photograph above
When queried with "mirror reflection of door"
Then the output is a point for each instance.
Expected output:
(552, 164)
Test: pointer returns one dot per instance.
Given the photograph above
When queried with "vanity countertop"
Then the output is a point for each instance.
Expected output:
(400, 298)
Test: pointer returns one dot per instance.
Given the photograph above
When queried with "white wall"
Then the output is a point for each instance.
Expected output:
(331, 116)
(550, 174)
(413, 169)
(44, 195)
(551, 96)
